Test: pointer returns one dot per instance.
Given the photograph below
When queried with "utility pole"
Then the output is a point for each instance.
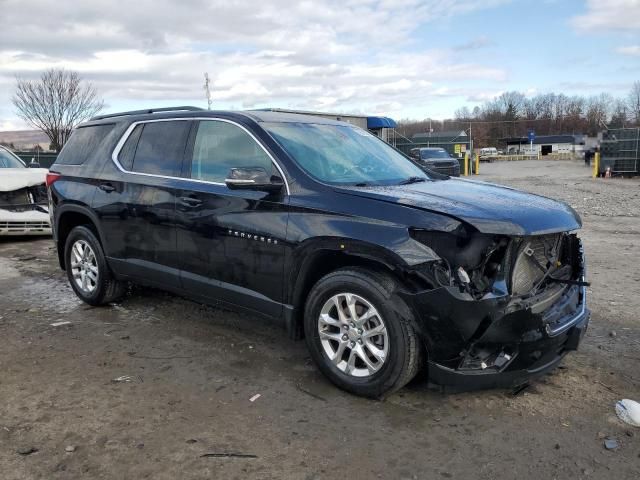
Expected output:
(207, 90)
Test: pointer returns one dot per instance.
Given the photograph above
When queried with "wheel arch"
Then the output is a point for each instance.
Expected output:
(320, 260)
(67, 218)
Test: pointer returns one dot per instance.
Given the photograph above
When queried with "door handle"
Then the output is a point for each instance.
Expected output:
(191, 201)
(107, 187)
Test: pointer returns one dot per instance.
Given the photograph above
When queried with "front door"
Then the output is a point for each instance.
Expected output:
(231, 241)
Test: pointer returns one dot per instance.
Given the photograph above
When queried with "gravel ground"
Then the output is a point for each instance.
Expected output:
(160, 387)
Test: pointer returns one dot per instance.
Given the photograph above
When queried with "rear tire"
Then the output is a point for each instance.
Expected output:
(87, 269)
(377, 355)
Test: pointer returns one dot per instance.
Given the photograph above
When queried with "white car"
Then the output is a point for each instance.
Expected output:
(23, 197)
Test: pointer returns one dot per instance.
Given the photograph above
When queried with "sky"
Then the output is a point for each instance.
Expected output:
(412, 59)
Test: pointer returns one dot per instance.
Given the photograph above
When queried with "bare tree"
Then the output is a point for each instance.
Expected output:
(56, 103)
(511, 104)
(513, 114)
(597, 113)
(530, 109)
(463, 113)
(619, 114)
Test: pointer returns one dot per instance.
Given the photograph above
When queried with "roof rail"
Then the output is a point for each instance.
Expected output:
(150, 110)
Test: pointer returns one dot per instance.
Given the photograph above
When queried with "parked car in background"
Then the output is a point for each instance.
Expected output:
(23, 197)
(436, 159)
(381, 266)
(488, 154)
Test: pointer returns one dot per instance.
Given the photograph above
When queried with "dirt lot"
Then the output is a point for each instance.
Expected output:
(188, 372)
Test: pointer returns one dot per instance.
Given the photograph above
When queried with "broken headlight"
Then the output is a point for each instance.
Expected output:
(474, 261)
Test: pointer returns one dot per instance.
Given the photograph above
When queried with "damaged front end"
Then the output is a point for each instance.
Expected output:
(499, 309)
(24, 211)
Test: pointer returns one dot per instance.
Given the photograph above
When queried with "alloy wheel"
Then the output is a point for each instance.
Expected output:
(353, 335)
(84, 266)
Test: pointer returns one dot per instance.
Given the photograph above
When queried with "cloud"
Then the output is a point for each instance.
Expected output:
(632, 50)
(8, 125)
(610, 15)
(347, 55)
(475, 44)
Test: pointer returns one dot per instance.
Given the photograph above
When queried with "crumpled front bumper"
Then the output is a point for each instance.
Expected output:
(493, 342)
(28, 222)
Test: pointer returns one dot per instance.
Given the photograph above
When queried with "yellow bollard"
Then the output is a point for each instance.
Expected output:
(466, 164)
(477, 164)
(596, 165)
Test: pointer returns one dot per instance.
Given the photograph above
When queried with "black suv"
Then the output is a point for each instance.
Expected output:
(436, 159)
(381, 266)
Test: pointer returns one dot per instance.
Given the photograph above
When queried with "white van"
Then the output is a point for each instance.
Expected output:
(488, 154)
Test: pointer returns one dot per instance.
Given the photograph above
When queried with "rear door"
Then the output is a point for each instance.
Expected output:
(231, 241)
(137, 207)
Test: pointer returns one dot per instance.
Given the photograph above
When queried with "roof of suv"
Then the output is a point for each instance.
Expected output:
(194, 112)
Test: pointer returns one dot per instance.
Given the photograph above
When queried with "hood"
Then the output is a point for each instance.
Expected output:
(17, 178)
(489, 208)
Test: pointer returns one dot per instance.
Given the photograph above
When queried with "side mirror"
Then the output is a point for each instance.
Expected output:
(253, 178)
(34, 164)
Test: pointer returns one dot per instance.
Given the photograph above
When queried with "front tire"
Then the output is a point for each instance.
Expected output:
(87, 269)
(360, 333)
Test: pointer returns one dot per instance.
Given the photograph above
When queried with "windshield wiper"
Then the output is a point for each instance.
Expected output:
(411, 180)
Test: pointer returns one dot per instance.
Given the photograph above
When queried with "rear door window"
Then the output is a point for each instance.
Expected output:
(220, 146)
(160, 148)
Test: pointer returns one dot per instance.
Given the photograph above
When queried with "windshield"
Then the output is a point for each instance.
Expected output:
(346, 155)
(9, 160)
(425, 154)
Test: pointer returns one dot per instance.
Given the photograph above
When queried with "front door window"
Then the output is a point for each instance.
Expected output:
(220, 146)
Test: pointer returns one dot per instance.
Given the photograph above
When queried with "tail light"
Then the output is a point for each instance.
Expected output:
(52, 177)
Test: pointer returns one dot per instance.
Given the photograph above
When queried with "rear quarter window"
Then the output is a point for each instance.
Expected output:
(84, 141)
(128, 151)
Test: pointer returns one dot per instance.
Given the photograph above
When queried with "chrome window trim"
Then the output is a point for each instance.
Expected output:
(130, 128)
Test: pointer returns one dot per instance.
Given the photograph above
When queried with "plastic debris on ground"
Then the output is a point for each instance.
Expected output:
(628, 411)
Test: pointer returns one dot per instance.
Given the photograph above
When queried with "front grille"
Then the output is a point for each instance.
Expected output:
(16, 200)
(447, 170)
(536, 255)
